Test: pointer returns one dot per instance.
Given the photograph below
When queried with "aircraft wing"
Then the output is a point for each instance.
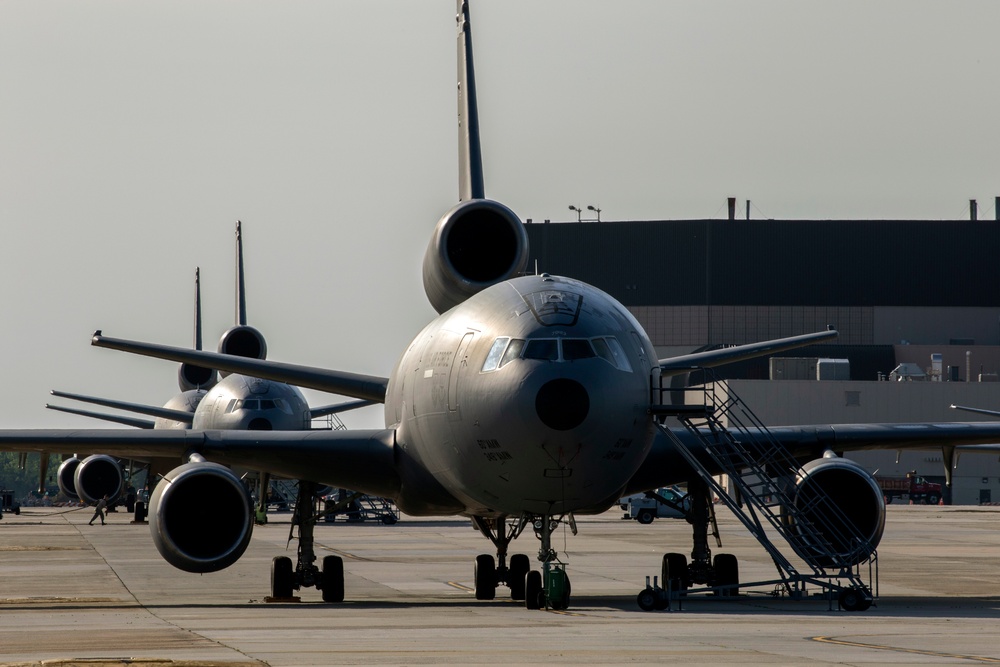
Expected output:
(118, 419)
(362, 460)
(664, 465)
(684, 363)
(992, 413)
(151, 410)
(366, 387)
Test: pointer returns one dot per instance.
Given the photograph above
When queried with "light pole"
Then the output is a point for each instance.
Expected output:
(596, 210)
(579, 213)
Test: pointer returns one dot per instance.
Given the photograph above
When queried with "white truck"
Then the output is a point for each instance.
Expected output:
(644, 508)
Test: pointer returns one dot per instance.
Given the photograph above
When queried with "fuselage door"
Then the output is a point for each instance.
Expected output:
(458, 366)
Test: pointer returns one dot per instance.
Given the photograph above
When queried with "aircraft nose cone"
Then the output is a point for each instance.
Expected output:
(562, 404)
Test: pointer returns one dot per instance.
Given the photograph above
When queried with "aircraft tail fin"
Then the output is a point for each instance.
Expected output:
(470, 156)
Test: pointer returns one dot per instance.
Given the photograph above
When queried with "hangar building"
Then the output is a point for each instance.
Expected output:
(916, 302)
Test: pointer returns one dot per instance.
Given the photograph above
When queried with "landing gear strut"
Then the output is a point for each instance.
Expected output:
(677, 574)
(550, 588)
(285, 579)
(489, 573)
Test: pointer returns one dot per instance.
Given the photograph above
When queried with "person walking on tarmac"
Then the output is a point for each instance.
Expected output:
(99, 510)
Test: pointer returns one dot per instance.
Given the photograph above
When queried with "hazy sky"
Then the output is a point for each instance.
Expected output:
(134, 134)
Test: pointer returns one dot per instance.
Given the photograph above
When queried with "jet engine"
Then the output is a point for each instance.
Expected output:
(243, 341)
(201, 517)
(98, 476)
(64, 477)
(191, 377)
(845, 504)
(478, 243)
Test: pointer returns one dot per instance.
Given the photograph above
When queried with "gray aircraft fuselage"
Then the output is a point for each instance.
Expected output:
(560, 427)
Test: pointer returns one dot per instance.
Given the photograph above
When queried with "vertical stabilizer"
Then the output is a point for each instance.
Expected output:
(470, 157)
(197, 308)
(241, 296)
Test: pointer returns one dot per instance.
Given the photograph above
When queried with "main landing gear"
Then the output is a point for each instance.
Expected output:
(722, 573)
(490, 573)
(548, 588)
(284, 578)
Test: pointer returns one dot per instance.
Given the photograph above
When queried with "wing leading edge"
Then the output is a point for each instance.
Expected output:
(664, 465)
(365, 387)
(362, 460)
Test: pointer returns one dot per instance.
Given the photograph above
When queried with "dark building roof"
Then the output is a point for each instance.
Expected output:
(778, 262)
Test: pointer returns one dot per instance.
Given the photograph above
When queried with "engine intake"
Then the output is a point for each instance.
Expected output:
(243, 341)
(98, 476)
(191, 377)
(201, 517)
(845, 504)
(478, 243)
(64, 477)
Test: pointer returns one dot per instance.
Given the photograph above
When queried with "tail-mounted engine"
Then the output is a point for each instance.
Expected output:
(243, 341)
(201, 517)
(478, 243)
(845, 504)
(191, 377)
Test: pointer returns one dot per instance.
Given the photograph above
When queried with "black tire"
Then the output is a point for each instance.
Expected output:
(675, 571)
(727, 574)
(645, 517)
(933, 499)
(140, 512)
(282, 579)
(853, 599)
(519, 568)
(534, 597)
(333, 579)
(486, 577)
(646, 599)
(388, 519)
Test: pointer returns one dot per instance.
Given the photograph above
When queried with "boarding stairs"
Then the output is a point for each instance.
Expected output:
(726, 438)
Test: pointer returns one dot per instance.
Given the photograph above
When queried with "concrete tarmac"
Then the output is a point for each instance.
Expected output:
(71, 593)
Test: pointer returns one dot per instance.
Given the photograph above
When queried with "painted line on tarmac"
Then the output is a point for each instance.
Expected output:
(899, 649)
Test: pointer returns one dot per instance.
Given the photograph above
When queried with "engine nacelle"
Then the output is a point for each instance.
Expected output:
(243, 341)
(64, 477)
(853, 518)
(201, 517)
(191, 377)
(98, 476)
(478, 243)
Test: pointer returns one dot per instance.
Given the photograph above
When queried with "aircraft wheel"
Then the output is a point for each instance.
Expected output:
(281, 577)
(333, 579)
(675, 571)
(727, 574)
(519, 567)
(853, 599)
(486, 577)
(534, 597)
(646, 599)
(645, 517)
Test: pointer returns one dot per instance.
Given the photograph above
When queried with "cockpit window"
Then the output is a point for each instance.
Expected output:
(513, 351)
(577, 348)
(546, 349)
(611, 351)
(506, 349)
(496, 354)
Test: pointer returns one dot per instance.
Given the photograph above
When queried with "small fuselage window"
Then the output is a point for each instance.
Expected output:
(506, 349)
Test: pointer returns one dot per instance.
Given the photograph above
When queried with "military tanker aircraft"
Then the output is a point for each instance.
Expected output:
(205, 402)
(528, 400)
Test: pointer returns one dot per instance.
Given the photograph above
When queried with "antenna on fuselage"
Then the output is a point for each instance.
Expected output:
(470, 156)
